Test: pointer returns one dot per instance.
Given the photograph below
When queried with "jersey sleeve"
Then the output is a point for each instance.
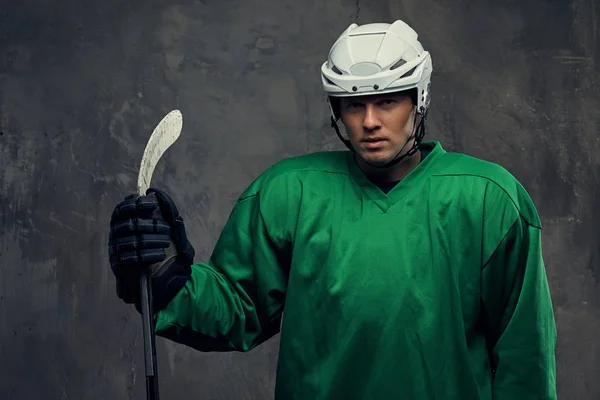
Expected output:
(234, 301)
(517, 306)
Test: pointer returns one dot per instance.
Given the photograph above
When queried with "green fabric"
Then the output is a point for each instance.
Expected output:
(435, 290)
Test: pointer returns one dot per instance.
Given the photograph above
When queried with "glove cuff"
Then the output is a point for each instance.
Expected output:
(167, 281)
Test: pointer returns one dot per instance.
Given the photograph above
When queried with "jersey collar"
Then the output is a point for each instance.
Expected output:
(413, 179)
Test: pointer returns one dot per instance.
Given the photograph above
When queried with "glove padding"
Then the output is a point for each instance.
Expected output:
(144, 230)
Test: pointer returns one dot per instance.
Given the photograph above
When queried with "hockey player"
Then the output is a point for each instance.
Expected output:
(405, 271)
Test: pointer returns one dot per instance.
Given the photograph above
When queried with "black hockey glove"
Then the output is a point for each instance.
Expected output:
(148, 230)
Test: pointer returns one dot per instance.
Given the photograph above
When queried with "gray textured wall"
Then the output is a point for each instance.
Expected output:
(82, 84)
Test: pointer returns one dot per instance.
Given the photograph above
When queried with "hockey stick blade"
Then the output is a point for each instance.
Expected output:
(164, 135)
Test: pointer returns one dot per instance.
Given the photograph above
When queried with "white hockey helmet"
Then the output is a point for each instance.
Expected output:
(378, 58)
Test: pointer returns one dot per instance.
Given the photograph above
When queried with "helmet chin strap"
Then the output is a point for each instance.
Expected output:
(418, 135)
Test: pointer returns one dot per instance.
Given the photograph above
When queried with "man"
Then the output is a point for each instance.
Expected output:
(405, 271)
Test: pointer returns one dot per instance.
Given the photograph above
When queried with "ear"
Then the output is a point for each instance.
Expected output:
(416, 117)
(334, 107)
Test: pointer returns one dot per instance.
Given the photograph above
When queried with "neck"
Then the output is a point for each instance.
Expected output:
(394, 173)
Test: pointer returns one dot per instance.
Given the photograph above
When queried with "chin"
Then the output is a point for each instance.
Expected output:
(376, 158)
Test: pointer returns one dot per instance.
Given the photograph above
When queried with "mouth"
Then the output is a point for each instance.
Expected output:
(373, 143)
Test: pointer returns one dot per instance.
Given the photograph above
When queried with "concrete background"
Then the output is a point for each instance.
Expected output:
(83, 83)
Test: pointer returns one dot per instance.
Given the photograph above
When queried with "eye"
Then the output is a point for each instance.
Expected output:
(354, 105)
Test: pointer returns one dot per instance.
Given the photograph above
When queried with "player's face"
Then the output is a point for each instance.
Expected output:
(379, 126)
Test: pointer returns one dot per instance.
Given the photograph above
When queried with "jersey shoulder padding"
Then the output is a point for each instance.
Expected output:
(321, 161)
(492, 175)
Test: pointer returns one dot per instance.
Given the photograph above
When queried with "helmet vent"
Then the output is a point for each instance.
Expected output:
(409, 73)
(400, 63)
(336, 70)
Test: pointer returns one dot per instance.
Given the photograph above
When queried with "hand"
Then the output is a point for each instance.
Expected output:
(144, 230)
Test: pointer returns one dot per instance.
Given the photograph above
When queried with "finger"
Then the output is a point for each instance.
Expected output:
(113, 254)
(178, 231)
(147, 257)
(141, 206)
(135, 226)
(167, 205)
(142, 242)
(134, 207)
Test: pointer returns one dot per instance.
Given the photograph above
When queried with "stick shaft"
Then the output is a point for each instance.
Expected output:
(149, 338)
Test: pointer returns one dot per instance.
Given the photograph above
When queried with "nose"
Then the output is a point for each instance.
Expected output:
(371, 119)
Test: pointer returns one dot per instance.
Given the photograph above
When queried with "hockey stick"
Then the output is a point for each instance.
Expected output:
(164, 135)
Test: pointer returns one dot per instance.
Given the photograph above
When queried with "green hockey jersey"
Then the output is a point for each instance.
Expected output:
(434, 290)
